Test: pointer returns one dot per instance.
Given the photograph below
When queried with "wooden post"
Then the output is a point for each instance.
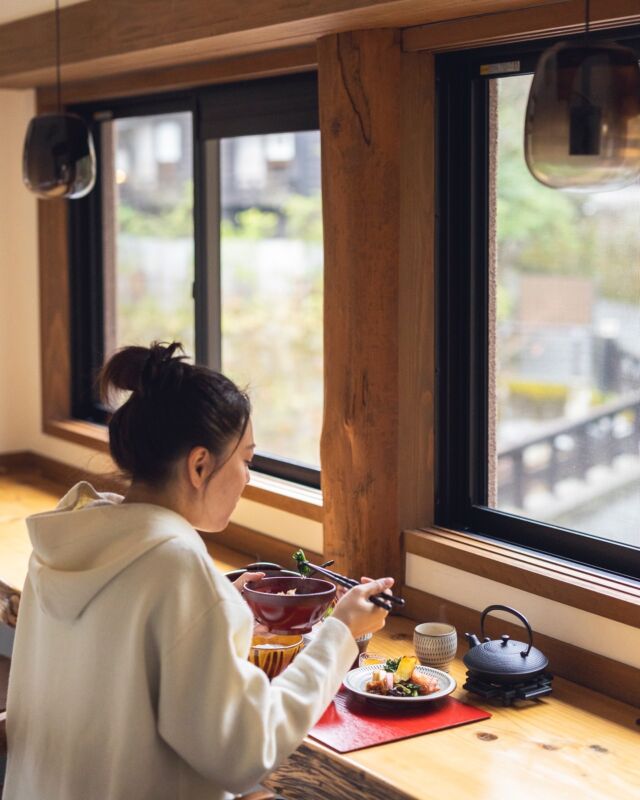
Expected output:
(377, 201)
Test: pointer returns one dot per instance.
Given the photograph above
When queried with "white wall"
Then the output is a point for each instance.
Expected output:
(18, 291)
(20, 419)
(19, 311)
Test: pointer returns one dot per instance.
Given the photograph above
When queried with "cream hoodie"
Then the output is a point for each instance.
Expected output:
(130, 679)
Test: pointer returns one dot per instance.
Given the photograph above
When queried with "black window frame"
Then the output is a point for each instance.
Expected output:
(462, 321)
(267, 105)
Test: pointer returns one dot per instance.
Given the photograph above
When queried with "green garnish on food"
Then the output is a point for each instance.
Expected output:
(391, 664)
(328, 612)
(300, 558)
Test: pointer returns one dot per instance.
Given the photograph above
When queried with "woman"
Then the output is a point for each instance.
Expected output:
(130, 678)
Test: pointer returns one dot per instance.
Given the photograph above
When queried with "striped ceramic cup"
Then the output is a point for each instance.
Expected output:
(435, 644)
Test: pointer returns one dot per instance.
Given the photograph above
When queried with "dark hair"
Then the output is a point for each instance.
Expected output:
(173, 407)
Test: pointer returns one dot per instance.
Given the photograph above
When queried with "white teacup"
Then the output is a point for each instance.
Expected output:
(435, 644)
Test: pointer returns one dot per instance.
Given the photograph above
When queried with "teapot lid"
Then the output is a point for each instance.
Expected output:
(505, 656)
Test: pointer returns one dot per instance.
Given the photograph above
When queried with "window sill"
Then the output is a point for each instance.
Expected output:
(87, 434)
(273, 492)
(581, 587)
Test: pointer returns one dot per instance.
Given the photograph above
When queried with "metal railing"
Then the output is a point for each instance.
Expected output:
(569, 451)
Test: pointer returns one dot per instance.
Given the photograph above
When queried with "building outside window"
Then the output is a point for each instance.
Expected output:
(207, 216)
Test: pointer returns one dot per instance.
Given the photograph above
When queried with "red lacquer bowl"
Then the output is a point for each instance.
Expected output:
(294, 613)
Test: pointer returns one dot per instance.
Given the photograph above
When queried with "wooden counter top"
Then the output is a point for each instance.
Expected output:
(573, 744)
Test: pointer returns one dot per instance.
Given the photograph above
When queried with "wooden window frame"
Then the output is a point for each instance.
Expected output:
(465, 175)
(55, 287)
(413, 105)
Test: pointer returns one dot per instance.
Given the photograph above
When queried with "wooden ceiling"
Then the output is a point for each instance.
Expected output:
(111, 37)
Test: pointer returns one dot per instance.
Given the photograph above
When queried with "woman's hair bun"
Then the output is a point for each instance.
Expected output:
(173, 407)
(138, 369)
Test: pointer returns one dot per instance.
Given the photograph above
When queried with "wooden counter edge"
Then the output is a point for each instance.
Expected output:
(588, 589)
(313, 765)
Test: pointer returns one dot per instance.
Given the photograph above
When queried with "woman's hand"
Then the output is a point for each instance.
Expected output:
(357, 612)
(247, 577)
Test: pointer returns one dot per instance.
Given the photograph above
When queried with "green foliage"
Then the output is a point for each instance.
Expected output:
(536, 225)
(253, 224)
(504, 303)
(537, 399)
(172, 222)
(538, 390)
(304, 217)
(545, 230)
(302, 220)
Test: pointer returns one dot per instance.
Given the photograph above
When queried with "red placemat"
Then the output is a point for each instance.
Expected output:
(351, 723)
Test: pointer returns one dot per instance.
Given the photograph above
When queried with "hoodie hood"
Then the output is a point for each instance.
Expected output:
(88, 540)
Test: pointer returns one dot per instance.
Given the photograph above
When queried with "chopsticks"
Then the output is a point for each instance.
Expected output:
(382, 600)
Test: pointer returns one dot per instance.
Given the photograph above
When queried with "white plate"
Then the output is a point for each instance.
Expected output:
(357, 679)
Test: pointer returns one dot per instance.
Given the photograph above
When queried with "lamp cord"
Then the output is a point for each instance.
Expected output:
(58, 90)
(586, 20)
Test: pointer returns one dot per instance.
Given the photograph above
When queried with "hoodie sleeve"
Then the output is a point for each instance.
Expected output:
(221, 714)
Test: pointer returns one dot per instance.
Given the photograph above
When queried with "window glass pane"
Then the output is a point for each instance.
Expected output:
(148, 245)
(271, 283)
(565, 382)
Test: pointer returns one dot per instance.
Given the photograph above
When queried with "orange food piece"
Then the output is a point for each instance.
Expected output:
(428, 683)
(405, 668)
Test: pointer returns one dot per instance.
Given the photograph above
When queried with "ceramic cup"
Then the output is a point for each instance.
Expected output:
(435, 644)
(363, 644)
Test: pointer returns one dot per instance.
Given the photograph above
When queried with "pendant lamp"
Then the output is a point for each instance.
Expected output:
(582, 124)
(58, 157)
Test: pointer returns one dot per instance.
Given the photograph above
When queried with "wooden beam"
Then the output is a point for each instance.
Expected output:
(55, 336)
(185, 76)
(106, 38)
(562, 19)
(376, 122)
(359, 79)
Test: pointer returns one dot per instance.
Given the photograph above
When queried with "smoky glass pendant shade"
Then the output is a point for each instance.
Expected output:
(582, 125)
(59, 157)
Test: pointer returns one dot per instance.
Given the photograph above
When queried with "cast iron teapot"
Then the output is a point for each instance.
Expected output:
(504, 660)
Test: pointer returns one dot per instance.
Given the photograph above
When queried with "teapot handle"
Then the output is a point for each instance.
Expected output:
(517, 614)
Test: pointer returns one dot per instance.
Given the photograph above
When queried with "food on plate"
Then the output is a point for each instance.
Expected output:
(401, 678)
(405, 668)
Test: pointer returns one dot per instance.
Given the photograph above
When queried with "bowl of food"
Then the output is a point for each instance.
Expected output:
(289, 604)
(272, 653)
